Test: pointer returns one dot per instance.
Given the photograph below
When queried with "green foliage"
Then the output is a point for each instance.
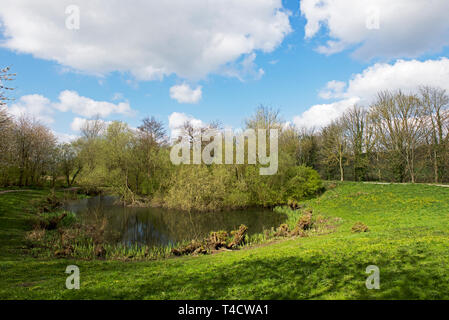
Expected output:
(303, 184)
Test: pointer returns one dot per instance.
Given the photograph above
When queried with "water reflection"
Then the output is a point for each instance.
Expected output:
(161, 227)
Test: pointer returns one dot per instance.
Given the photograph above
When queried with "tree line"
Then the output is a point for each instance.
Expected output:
(400, 138)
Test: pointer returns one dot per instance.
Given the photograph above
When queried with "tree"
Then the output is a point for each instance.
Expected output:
(6, 122)
(436, 119)
(399, 127)
(34, 145)
(5, 76)
(359, 136)
(308, 152)
(334, 145)
(151, 136)
(264, 118)
(119, 142)
(69, 162)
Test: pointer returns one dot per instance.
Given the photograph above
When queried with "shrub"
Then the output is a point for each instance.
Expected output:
(303, 183)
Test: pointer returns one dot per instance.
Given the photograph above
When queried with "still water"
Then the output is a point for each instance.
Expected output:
(161, 227)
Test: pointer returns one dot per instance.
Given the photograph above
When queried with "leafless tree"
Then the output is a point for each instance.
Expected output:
(436, 103)
(5, 76)
(334, 145)
(360, 139)
(399, 128)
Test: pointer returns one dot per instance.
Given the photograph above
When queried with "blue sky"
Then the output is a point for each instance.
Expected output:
(297, 60)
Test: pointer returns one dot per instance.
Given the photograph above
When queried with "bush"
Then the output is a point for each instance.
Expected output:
(303, 183)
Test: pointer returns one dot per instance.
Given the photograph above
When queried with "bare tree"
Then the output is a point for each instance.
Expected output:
(360, 139)
(152, 131)
(5, 76)
(34, 145)
(91, 129)
(334, 145)
(264, 118)
(436, 103)
(399, 128)
(151, 135)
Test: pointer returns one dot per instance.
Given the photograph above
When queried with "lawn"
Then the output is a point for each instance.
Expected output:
(408, 240)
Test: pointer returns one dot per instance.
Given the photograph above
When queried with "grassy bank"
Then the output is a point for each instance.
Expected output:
(408, 240)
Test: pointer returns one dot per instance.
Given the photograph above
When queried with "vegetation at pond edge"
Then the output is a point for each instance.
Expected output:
(408, 239)
(58, 233)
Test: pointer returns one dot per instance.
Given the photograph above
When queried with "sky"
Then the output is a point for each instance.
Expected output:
(215, 60)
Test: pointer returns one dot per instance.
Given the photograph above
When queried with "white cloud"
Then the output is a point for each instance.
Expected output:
(117, 96)
(149, 39)
(184, 94)
(35, 106)
(404, 75)
(64, 137)
(176, 120)
(43, 110)
(333, 89)
(246, 69)
(87, 107)
(407, 28)
(362, 88)
(321, 115)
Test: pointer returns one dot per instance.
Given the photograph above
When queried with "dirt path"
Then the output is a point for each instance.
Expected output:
(429, 184)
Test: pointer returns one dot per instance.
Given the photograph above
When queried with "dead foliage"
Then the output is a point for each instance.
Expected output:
(36, 235)
(331, 186)
(282, 231)
(359, 227)
(216, 241)
(308, 224)
(294, 205)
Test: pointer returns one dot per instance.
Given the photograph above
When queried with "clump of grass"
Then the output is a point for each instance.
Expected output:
(359, 227)
(304, 223)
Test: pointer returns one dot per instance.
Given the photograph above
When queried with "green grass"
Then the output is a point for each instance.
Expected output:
(408, 240)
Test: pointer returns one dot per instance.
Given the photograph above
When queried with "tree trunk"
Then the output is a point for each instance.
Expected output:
(435, 165)
(342, 178)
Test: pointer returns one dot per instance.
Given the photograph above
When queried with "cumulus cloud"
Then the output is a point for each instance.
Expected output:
(362, 88)
(176, 120)
(333, 89)
(35, 106)
(183, 93)
(378, 28)
(404, 75)
(321, 115)
(188, 38)
(87, 107)
(43, 109)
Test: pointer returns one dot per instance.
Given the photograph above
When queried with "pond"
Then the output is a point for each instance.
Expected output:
(158, 227)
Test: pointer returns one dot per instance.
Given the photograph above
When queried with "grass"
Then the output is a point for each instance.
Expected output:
(408, 240)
